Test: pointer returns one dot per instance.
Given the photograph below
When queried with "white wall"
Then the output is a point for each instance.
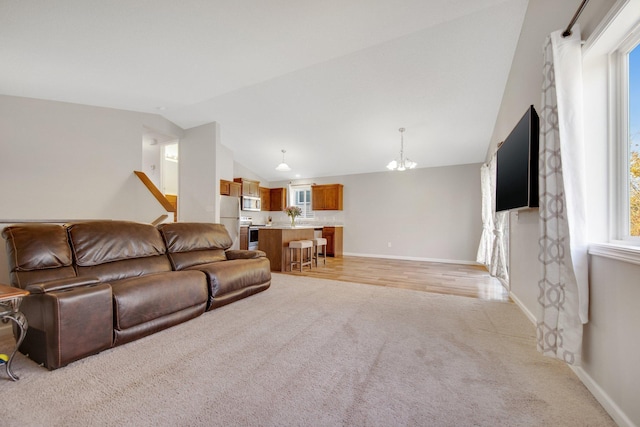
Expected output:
(610, 347)
(151, 160)
(241, 171)
(197, 199)
(69, 161)
(426, 214)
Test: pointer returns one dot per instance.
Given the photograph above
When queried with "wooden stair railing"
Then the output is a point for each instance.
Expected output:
(160, 220)
(161, 198)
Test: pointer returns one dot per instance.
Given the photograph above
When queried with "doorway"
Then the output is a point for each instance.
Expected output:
(160, 163)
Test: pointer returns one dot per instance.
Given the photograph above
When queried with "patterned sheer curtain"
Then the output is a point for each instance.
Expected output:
(563, 285)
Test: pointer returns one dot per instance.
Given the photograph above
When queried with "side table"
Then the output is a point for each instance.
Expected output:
(10, 299)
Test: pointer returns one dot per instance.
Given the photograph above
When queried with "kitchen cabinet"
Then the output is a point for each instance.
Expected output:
(334, 240)
(244, 237)
(230, 188)
(326, 197)
(265, 199)
(273, 199)
(278, 199)
(249, 187)
(274, 242)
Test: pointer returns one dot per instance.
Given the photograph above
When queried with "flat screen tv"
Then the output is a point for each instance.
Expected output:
(517, 165)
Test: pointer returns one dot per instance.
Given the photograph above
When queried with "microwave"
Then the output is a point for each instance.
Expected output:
(250, 203)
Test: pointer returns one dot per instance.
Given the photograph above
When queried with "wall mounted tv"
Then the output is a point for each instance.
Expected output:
(517, 165)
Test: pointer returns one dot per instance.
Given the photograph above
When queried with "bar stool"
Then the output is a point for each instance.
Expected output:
(305, 253)
(317, 242)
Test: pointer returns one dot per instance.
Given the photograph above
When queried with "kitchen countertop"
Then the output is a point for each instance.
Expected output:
(288, 227)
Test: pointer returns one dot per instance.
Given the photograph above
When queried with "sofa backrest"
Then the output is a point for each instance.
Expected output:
(37, 253)
(195, 243)
(114, 250)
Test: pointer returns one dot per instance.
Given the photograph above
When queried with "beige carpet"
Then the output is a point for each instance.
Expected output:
(312, 352)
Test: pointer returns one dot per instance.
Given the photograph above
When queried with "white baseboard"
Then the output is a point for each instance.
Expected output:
(524, 309)
(601, 396)
(411, 258)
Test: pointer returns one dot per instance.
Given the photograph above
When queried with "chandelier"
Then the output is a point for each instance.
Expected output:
(283, 167)
(404, 163)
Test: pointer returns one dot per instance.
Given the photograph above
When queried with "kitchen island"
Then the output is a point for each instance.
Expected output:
(274, 241)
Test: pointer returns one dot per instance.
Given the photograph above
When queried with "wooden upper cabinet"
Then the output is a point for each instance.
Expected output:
(230, 188)
(273, 199)
(278, 199)
(225, 187)
(326, 197)
(249, 187)
(265, 199)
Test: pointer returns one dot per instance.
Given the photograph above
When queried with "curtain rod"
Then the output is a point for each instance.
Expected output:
(567, 32)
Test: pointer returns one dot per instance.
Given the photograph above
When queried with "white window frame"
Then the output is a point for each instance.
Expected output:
(619, 106)
(610, 35)
(307, 212)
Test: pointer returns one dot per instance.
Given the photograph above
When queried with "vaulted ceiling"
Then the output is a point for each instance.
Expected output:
(329, 81)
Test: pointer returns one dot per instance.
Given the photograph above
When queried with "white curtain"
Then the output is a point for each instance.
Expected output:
(486, 239)
(493, 248)
(499, 264)
(563, 286)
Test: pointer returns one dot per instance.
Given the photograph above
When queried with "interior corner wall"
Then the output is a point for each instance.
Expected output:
(198, 182)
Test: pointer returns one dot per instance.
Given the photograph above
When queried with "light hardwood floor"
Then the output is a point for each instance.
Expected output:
(454, 279)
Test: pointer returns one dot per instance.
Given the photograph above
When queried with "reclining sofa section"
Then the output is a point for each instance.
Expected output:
(98, 284)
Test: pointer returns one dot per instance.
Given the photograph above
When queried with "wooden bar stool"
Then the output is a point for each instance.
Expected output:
(305, 253)
(317, 242)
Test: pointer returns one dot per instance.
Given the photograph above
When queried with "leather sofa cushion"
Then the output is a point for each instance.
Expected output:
(233, 275)
(195, 243)
(119, 270)
(184, 260)
(37, 253)
(139, 300)
(99, 242)
(37, 246)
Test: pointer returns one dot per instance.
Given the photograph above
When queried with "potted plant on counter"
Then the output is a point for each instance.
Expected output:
(293, 212)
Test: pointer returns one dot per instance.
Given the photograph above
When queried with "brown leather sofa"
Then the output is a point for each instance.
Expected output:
(98, 284)
(201, 247)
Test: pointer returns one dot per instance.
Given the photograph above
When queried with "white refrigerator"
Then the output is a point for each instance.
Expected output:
(230, 218)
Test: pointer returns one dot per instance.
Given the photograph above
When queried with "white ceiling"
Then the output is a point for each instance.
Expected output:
(329, 81)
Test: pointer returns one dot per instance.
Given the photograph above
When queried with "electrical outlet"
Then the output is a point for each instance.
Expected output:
(388, 244)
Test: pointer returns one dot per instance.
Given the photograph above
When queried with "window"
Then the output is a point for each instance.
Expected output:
(628, 124)
(611, 74)
(634, 141)
(300, 195)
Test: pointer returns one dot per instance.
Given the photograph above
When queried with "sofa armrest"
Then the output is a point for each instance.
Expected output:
(61, 284)
(244, 254)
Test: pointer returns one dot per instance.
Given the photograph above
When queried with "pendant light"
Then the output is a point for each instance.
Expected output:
(404, 163)
(283, 167)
